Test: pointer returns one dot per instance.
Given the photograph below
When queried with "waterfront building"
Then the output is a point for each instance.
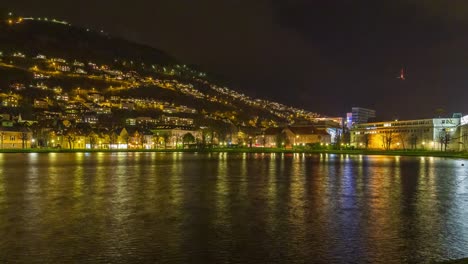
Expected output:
(429, 134)
(172, 136)
(293, 136)
(13, 137)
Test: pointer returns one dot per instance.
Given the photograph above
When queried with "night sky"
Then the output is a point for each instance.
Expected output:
(324, 56)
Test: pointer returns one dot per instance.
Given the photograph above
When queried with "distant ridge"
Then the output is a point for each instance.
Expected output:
(70, 42)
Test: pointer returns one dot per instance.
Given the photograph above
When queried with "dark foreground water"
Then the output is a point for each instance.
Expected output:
(231, 208)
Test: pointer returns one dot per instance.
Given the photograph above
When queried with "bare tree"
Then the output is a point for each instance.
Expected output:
(404, 138)
(24, 137)
(387, 139)
(444, 139)
(366, 139)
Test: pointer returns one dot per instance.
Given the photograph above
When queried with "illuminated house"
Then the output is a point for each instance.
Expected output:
(172, 136)
(430, 134)
(293, 136)
(10, 101)
(12, 137)
(41, 103)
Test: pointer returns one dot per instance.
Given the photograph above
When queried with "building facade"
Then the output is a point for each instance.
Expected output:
(15, 138)
(429, 134)
(359, 115)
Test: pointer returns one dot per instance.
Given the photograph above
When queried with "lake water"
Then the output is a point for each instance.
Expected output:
(231, 208)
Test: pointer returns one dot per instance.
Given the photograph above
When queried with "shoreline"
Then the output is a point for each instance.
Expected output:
(418, 153)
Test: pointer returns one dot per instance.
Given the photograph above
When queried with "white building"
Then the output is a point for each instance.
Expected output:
(429, 134)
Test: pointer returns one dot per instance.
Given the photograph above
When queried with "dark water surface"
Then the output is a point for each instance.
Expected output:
(231, 208)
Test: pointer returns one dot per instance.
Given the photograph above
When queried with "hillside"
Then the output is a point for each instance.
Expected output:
(54, 61)
(66, 41)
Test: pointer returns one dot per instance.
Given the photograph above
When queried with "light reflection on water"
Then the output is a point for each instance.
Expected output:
(237, 208)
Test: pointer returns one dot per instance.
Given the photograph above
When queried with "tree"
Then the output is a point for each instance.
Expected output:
(366, 140)
(93, 139)
(24, 137)
(387, 139)
(188, 138)
(444, 139)
(165, 137)
(155, 139)
(282, 139)
(403, 138)
(70, 136)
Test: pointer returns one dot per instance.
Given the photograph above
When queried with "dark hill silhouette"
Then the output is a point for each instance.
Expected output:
(66, 41)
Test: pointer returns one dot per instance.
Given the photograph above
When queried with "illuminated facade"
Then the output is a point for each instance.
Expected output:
(293, 136)
(15, 138)
(429, 134)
